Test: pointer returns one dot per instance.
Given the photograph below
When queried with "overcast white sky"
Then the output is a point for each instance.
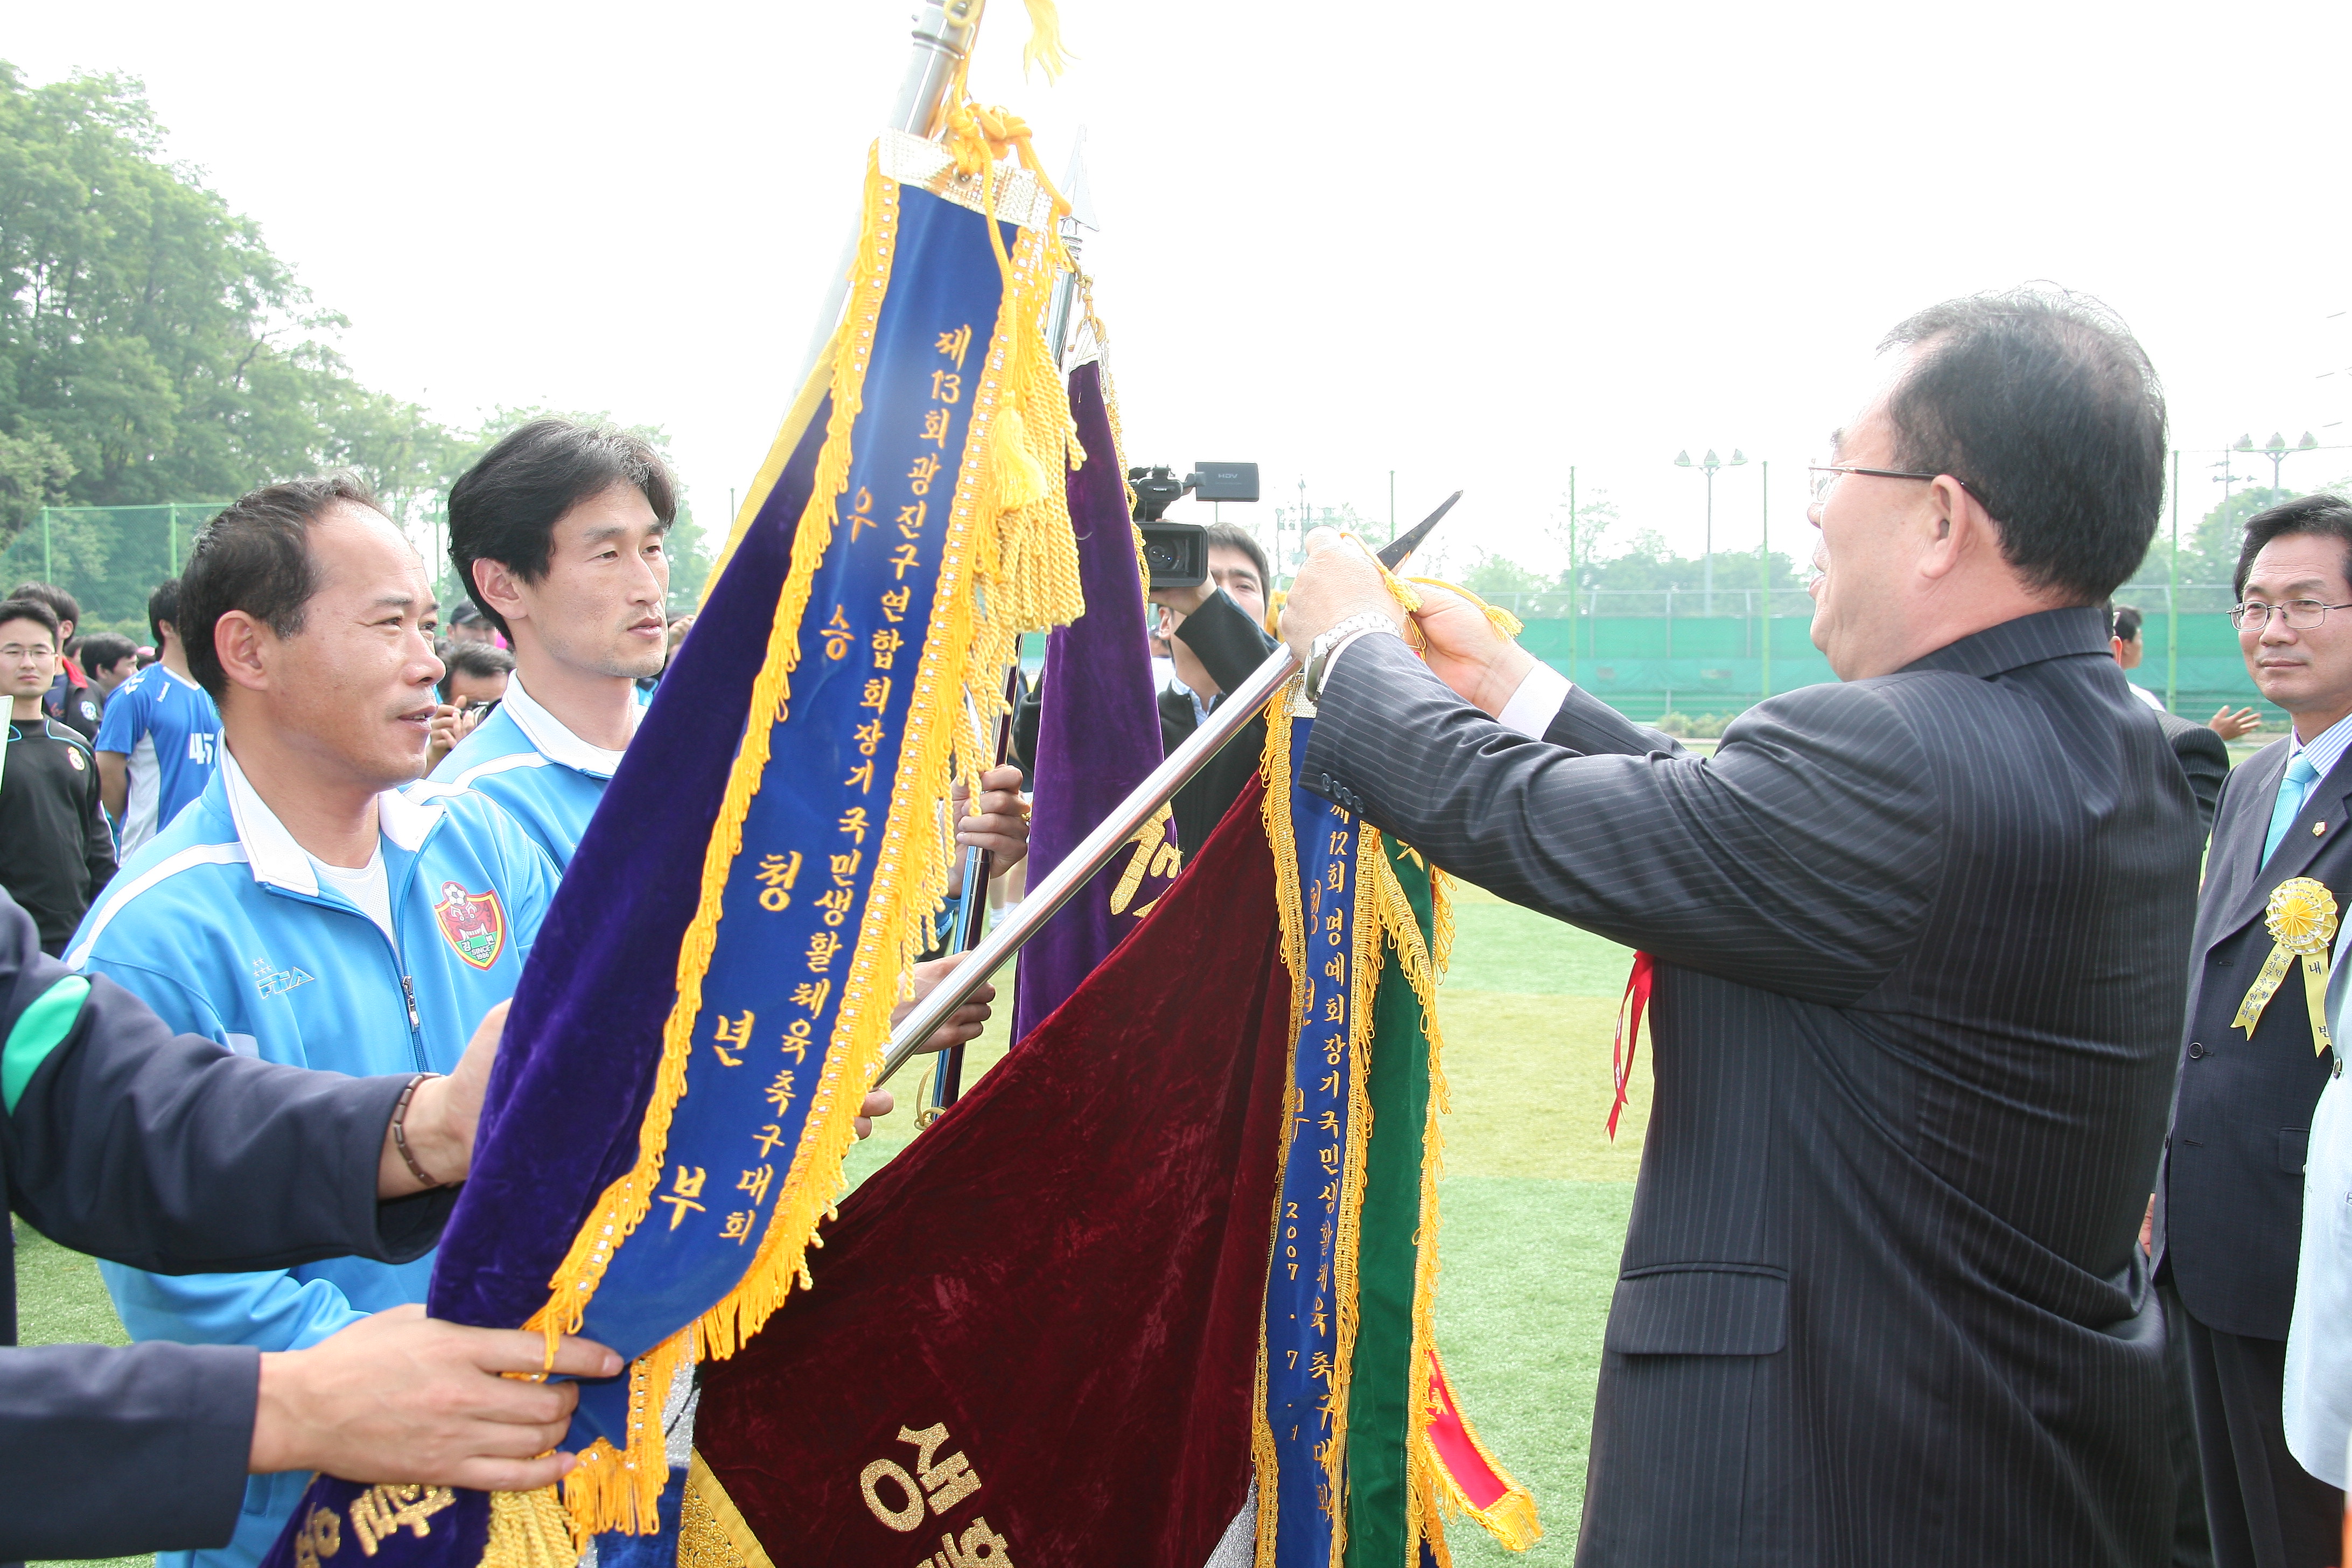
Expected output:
(1472, 243)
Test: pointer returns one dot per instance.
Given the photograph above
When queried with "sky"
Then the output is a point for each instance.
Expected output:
(1474, 246)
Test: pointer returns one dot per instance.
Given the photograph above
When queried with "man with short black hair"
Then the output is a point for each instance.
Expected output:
(108, 658)
(560, 533)
(54, 850)
(1916, 939)
(2230, 1200)
(1217, 632)
(68, 698)
(158, 744)
(303, 910)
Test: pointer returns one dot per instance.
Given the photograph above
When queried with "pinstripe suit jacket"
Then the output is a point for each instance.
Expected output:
(1921, 946)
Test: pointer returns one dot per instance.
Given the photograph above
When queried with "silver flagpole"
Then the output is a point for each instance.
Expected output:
(944, 31)
(1095, 851)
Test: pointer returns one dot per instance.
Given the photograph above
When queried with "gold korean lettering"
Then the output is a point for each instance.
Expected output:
(811, 995)
(768, 1137)
(821, 946)
(877, 693)
(903, 561)
(947, 386)
(386, 1508)
(780, 1093)
(925, 469)
(935, 427)
(737, 1227)
(853, 822)
(683, 1191)
(887, 644)
(776, 875)
(895, 602)
(755, 1182)
(839, 634)
(954, 343)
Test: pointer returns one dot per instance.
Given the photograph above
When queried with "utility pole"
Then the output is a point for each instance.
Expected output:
(1764, 486)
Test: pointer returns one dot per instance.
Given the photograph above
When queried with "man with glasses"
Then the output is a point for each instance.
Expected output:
(1916, 943)
(55, 851)
(2229, 1208)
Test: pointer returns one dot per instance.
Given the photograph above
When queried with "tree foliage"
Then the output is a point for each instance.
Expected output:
(153, 350)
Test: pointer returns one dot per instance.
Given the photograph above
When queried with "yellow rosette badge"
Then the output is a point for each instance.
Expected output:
(2301, 916)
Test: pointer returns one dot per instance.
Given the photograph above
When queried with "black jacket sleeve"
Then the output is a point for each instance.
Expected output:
(1229, 645)
(2205, 758)
(107, 1453)
(169, 1153)
(98, 839)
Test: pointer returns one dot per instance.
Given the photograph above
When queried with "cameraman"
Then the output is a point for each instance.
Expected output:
(1217, 633)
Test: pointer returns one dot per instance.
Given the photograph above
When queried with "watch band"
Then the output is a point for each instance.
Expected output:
(1322, 651)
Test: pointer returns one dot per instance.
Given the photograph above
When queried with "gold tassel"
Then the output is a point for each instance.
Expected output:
(529, 1529)
(1044, 49)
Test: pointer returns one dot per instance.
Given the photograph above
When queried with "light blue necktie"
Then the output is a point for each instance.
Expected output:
(2300, 776)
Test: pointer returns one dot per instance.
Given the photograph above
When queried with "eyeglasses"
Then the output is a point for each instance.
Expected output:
(17, 653)
(1827, 475)
(2302, 614)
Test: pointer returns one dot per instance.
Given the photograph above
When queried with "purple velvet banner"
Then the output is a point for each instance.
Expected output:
(1097, 731)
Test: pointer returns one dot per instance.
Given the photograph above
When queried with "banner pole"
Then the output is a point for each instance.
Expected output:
(944, 31)
(1096, 849)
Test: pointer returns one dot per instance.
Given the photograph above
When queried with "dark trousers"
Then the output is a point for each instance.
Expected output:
(2264, 1509)
(2192, 1542)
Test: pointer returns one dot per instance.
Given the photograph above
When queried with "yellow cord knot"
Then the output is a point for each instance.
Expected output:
(2301, 916)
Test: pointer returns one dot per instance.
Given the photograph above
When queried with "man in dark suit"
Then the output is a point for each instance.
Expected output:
(1918, 942)
(2229, 1211)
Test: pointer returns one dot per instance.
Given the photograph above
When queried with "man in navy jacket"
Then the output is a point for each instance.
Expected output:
(169, 1152)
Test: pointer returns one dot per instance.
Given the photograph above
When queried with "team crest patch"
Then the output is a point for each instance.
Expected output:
(475, 924)
(74, 758)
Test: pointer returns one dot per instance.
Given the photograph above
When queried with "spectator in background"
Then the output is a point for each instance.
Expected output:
(108, 660)
(475, 684)
(69, 697)
(467, 625)
(54, 850)
(1217, 635)
(158, 744)
(2224, 723)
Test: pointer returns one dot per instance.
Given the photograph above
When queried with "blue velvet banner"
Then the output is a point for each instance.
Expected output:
(1310, 1282)
(583, 1063)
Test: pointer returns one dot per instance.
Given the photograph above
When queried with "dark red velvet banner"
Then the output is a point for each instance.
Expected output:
(1036, 1329)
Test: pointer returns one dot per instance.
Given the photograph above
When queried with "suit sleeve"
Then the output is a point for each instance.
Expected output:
(2205, 758)
(1229, 645)
(1801, 858)
(165, 1152)
(108, 1452)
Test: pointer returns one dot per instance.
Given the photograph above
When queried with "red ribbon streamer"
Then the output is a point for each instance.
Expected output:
(1629, 1031)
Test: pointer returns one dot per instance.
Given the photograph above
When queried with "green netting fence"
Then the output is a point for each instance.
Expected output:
(107, 557)
(1648, 653)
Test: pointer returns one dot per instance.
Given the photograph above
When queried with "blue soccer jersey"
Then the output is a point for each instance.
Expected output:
(167, 727)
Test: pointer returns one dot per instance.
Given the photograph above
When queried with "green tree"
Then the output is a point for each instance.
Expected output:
(152, 348)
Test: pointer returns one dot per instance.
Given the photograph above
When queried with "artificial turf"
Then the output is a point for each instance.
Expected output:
(1533, 1204)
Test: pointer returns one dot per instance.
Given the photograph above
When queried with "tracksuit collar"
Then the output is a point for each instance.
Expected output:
(552, 739)
(278, 860)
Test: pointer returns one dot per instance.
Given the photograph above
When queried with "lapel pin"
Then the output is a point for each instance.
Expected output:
(2318, 829)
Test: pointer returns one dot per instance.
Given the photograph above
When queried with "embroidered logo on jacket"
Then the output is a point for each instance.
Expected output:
(277, 981)
(475, 924)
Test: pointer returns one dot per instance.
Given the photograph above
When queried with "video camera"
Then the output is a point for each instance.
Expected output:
(1178, 552)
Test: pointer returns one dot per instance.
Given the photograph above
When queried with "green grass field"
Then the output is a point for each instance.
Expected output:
(1534, 1202)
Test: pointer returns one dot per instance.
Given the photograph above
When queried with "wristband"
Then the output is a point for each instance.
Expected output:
(400, 1130)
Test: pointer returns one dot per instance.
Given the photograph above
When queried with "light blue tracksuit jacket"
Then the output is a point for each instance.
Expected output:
(548, 778)
(222, 924)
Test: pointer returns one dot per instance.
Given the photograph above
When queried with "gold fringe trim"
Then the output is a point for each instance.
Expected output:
(1363, 983)
(1004, 567)
(528, 1530)
(711, 1531)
